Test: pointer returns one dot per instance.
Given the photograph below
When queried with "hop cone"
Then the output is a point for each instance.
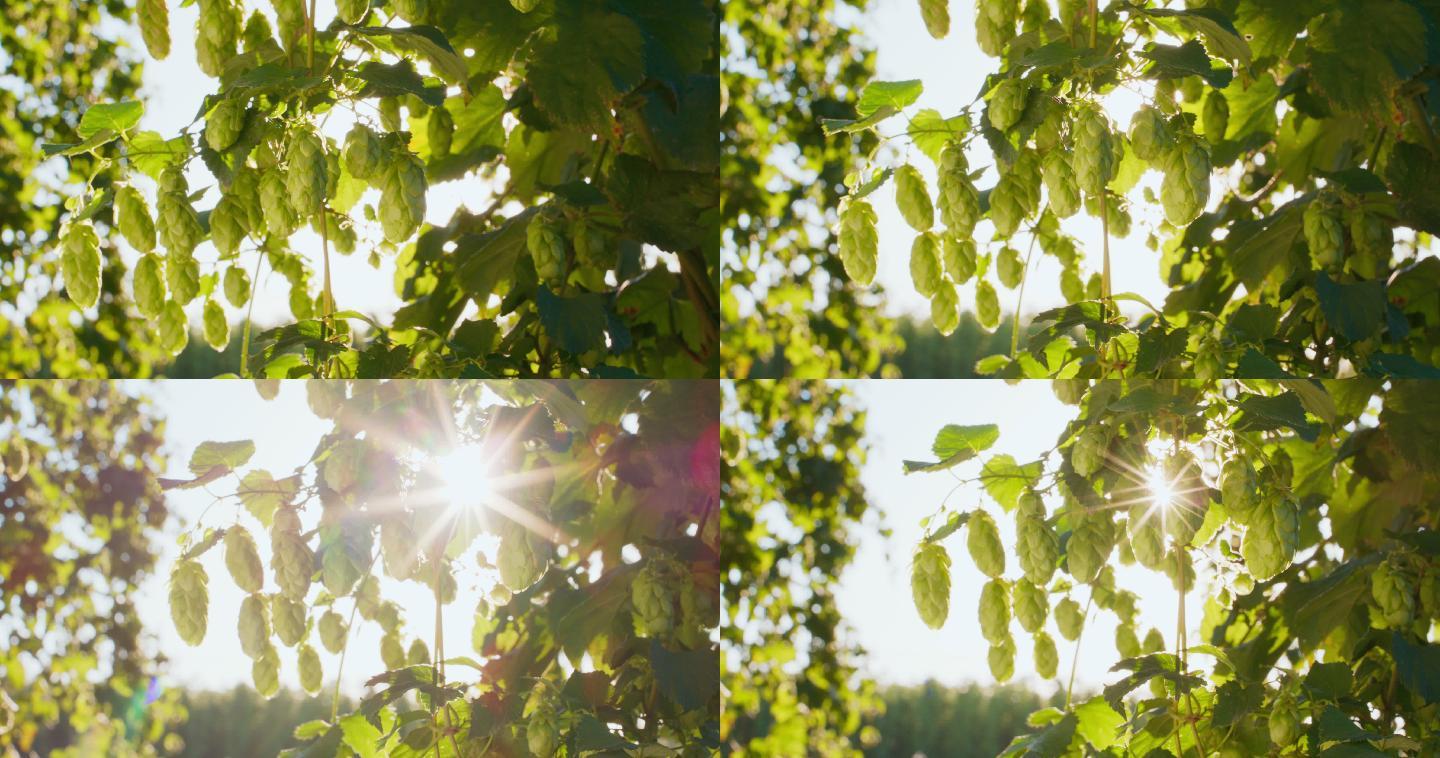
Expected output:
(1186, 187)
(174, 328)
(189, 600)
(311, 673)
(397, 546)
(305, 178)
(1149, 134)
(182, 275)
(1324, 235)
(80, 264)
(1038, 547)
(1094, 160)
(402, 201)
(217, 32)
(930, 583)
(1087, 455)
(859, 242)
(1237, 490)
(1060, 184)
(1394, 596)
(959, 201)
(1090, 546)
(332, 631)
(149, 286)
(542, 729)
(547, 248)
(913, 198)
(279, 216)
(1215, 117)
(237, 286)
(1050, 134)
(925, 264)
(1047, 658)
(243, 559)
(265, 672)
(983, 541)
(995, 610)
(391, 652)
(945, 309)
(228, 225)
(1002, 659)
(254, 626)
(936, 14)
(419, 653)
(1069, 618)
(1271, 538)
(224, 124)
(290, 15)
(1009, 268)
(292, 562)
(154, 26)
(1031, 605)
(1284, 724)
(1147, 537)
(132, 215)
(995, 24)
(1007, 103)
(959, 258)
(289, 619)
(177, 222)
(987, 304)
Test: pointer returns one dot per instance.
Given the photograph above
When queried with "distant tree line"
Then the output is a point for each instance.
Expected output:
(933, 720)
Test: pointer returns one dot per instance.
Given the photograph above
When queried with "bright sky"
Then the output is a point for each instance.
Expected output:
(874, 594)
(173, 90)
(285, 432)
(953, 71)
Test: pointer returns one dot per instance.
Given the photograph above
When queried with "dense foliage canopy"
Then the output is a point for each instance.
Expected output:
(1294, 147)
(592, 123)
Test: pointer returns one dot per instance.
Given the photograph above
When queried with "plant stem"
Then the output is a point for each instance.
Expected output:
(249, 308)
(310, 28)
(335, 700)
(1020, 298)
(1075, 659)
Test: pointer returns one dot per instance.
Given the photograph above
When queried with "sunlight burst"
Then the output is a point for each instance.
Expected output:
(465, 477)
(1162, 490)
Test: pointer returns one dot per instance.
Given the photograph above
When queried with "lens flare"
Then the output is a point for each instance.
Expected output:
(465, 477)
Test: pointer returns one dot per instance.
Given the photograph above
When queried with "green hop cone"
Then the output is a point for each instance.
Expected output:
(1069, 391)
(419, 653)
(1002, 659)
(397, 545)
(1090, 546)
(245, 191)
(1060, 184)
(1126, 642)
(289, 619)
(364, 154)
(80, 264)
(1373, 240)
(987, 305)
(547, 248)
(237, 286)
(859, 242)
(1393, 594)
(959, 258)
(178, 224)
(1047, 658)
(1009, 267)
(228, 225)
(258, 36)
(1150, 135)
(995, 24)
(224, 124)
(280, 217)
(1186, 187)
(132, 216)
(189, 600)
(930, 583)
(1032, 607)
(936, 14)
(149, 285)
(391, 652)
(982, 539)
(290, 16)
(1038, 547)
(351, 11)
(217, 328)
(292, 562)
(1215, 117)
(305, 176)
(332, 631)
(254, 626)
(154, 19)
(1147, 535)
(182, 276)
(1324, 234)
(440, 131)
(1088, 454)
(265, 672)
(519, 559)
(312, 675)
(402, 201)
(913, 198)
(217, 33)
(1154, 642)
(925, 264)
(390, 119)
(1238, 490)
(995, 610)
(945, 309)
(958, 199)
(1284, 723)
(344, 467)
(542, 728)
(1007, 103)
(174, 328)
(1070, 285)
(243, 560)
(1050, 134)
(1094, 157)
(1010, 201)
(1069, 618)
(1271, 538)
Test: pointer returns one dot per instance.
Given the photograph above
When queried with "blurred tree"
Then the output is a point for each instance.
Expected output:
(58, 58)
(79, 509)
(787, 306)
(793, 504)
(955, 722)
(242, 723)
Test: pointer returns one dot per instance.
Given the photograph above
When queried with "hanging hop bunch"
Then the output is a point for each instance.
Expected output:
(217, 32)
(402, 200)
(542, 725)
(1185, 189)
(995, 24)
(254, 626)
(655, 595)
(80, 263)
(305, 179)
(1393, 593)
(959, 200)
(243, 559)
(1324, 234)
(1036, 544)
(132, 216)
(859, 241)
(1095, 149)
(290, 557)
(1007, 103)
(930, 583)
(983, 542)
(189, 600)
(913, 198)
(547, 247)
(178, 224)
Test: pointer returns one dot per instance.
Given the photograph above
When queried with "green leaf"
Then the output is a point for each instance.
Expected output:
(430, 43)
(1235, 700)
(582, 64)
(1361, 52)
(690, 678)
(1335, 726)
(1356, 311)
(1219, 32)
(1259, 413)
(396, 79)
(1189, 59)
(117, 117)
(1252, 257)
(212, 455)
(360, 735)
(1314, 397)
(1098, 723)
(1007, 480)
(955, 444)
(1315, 608)
(576, 322)
(1411, 173)
(1329, 681)
(1418, 665)
(262, 494)
(1051, 742)
(833, 126)
(311, 729)
(894, 95)
(151, 153)
(930, 131)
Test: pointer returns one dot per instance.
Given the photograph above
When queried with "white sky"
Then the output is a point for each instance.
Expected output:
(874, 594)
(285, 433)
(953, 71)
(173, 90)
